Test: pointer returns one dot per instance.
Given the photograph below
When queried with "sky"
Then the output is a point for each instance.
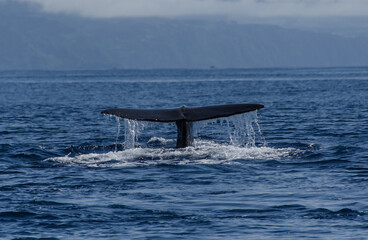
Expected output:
(348, 18)
(236, 9)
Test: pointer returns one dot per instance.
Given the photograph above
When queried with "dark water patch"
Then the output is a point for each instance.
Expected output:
(28, 184)
(243, 212)
(15, 215)
(268, 213)
(148, 217)
(11, 172)
(311, 155)
(6, 148)
(45, 203)
(345, 150)
(222, 192)
(86, 149)
(133, 181)
(149, 196)
(9, 188)
(345, 213)
(120, 206)
(48, 217)
(290, 207)
(56, 225)
(225, 169)
(30, 154)
(28, 236)
(26, 156)
(273, 163)
(358, 171)
(34, 238)
(320, 164)
(332, 163)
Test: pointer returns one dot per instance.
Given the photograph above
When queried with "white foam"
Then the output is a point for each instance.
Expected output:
(160, 140)
(205, 152)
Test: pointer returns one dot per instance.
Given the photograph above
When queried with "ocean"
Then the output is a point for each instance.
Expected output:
(296, 169)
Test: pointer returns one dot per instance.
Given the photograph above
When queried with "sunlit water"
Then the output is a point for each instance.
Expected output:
(296, 169)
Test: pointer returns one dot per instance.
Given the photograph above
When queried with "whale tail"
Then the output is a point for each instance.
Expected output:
(183, 117)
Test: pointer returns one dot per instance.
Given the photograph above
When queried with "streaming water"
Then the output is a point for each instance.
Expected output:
(132, 129)
(117, 132)
(240, 128)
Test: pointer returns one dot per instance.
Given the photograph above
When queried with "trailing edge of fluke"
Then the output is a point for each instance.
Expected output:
(183, 117)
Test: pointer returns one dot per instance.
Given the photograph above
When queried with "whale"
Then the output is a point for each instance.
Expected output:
(183, 117)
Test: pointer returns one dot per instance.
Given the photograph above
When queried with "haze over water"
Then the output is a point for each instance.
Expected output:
(67, 174)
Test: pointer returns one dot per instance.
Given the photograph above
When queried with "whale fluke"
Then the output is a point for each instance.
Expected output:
(183, 117)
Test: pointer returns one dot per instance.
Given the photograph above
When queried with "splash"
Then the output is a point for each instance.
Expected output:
(246, 130)
(243, 129)
(132, 130)
(245, 142)
(117, 132)
(205, 153)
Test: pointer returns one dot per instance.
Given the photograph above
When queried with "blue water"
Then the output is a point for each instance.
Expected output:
(66, 173)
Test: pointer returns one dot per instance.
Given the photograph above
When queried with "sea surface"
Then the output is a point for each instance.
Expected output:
(296, 169)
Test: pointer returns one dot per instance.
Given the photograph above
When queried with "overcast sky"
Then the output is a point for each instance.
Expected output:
(228, 8)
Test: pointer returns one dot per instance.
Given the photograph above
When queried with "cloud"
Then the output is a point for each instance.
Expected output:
(230, 8)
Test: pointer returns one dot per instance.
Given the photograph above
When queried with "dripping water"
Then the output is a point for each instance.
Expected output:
(242, 129)
(132, 129)
(260, 134)
(117, 133)
(245, 130)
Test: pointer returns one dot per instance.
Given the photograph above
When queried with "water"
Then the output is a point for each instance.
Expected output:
(69, 172)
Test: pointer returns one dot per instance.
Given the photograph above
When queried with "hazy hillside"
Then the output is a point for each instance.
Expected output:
(30, 39)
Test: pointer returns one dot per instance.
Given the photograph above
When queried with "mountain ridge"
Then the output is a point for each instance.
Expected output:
(42, 41)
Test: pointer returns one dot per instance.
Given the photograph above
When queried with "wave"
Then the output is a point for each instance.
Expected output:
(345, 213)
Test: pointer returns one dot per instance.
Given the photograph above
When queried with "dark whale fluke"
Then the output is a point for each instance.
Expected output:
(183, 117)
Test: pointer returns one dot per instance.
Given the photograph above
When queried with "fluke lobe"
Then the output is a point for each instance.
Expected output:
(183, 117)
